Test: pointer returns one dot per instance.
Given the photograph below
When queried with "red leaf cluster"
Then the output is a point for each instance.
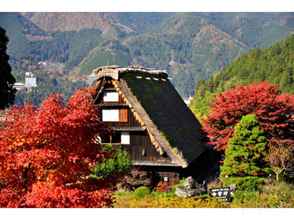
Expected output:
(46, 154)
(274, 111)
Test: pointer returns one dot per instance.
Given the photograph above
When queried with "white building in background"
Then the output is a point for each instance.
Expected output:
(19, 86)
(30, 82)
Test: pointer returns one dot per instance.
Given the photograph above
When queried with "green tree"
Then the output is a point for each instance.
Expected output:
(246, 152)
(7, 91)
(274, 65)
(118, 164)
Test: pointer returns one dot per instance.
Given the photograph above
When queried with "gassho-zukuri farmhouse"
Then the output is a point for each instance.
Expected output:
(150, 121)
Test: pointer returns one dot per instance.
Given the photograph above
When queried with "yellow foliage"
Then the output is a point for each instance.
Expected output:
(271, 195)
(127, 200)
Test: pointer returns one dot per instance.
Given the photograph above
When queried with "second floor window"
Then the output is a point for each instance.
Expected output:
(110, 115)
(115, 115)
(110, 96)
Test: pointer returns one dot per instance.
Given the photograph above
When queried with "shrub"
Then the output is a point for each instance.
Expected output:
(277, 194)
(117, 164)
(166, 200)
(163, 186)
(248, 183)
(245, 198)
(179, 184)
(142, 191)
(270, 195)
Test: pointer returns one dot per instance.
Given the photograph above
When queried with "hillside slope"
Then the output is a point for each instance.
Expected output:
(190, 46)
(61, 22)
(274, 64)
(254, 29)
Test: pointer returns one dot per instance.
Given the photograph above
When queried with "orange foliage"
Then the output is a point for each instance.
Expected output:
(46, 154)
(274, 112)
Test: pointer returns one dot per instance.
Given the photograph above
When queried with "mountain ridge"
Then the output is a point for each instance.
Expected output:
(190, 46)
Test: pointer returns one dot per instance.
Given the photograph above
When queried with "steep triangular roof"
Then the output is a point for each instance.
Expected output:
(156, 104)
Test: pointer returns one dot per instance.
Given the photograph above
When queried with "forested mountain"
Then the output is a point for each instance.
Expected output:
(274, 64)
(190, 46)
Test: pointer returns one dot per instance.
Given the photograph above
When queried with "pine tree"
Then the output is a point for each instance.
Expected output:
(246, 152)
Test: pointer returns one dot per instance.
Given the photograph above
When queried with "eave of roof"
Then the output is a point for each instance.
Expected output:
(115, 72)
(153, 163)
(128, 128)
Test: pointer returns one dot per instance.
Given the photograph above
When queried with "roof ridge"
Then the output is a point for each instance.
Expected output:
(114, 71)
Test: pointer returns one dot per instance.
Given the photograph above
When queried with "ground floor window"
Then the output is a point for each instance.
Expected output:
(115, 115)
(115, 138)
(125, 138)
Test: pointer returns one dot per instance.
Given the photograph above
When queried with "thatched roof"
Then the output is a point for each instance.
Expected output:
(157, 106)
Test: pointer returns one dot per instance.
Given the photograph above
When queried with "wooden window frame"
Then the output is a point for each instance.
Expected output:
(110, 98)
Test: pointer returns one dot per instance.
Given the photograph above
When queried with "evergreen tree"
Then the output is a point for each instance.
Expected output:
(246, 152)
(7, 92)
(274, 65)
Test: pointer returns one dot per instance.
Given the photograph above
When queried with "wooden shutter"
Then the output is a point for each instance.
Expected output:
(123, 115)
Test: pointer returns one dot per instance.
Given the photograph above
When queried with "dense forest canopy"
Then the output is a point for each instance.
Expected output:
(190, 46)
(274, 64)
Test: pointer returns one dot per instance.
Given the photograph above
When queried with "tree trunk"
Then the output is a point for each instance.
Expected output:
(278, 173)
(277, 177)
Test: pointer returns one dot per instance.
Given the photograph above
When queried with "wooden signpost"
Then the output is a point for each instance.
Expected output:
(224, 193)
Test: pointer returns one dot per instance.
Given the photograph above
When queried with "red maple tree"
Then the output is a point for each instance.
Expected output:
(274, 111)
(46, 154)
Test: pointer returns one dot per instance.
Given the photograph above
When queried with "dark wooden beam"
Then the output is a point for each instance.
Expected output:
(128, 128)
(153, 163)
(112, 104)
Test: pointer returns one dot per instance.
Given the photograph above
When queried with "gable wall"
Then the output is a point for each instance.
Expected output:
(141, 147)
